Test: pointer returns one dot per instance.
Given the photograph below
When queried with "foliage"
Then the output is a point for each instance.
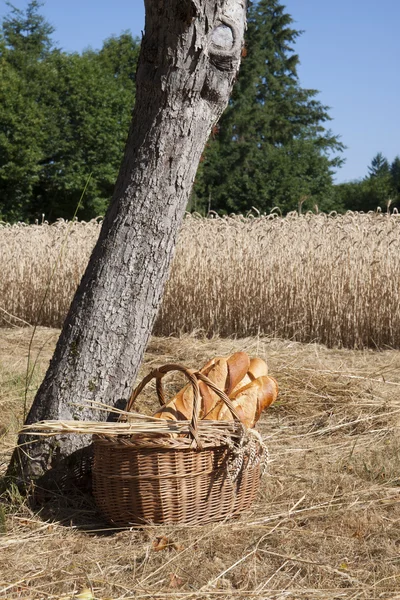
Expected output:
(271, 147)
(65, 116)
(89, 117)
(29, 35)
(379, 166)
(62, 117)
(379, 189)
(23, 48)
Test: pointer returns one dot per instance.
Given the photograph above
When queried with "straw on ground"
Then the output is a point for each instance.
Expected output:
(326, 524)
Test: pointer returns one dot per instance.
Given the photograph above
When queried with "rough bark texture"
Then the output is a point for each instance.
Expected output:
(189, 59)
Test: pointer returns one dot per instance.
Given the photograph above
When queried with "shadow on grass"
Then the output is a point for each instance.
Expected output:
(63, 495)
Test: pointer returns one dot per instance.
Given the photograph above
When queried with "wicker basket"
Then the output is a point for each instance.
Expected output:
(208, 472)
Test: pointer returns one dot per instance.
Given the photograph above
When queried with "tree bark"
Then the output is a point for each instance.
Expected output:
(189, 59)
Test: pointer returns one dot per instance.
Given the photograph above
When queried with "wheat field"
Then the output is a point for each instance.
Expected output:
(332, 279)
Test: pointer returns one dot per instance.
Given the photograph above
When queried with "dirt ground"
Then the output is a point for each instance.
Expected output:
(326, 524)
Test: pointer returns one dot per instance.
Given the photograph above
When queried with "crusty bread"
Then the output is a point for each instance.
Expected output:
(258, 368)
(245, 381)
(223, 372)
(218, 374)
(236, 368)
(268, 396)
(180, 408)
(238, 365)
(251, 400)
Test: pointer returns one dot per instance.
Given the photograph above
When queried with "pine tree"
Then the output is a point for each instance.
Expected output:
(272, 148)
(27, 33)
(395, 175)
(379, 182)
(379, 166)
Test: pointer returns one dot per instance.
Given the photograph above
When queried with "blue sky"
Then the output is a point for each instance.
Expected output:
(349, 51)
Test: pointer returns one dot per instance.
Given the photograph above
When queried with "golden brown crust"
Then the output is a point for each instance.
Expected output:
(258, 368)
(267, 395)
(218, 374)
(181, 405)
(252, 399)
(207, 399)
(206, 368)
(245, 404)
(237, 375)
(179, 408)
(238, 365)
(246, 380)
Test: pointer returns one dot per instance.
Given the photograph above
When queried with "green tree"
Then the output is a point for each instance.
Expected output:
(355, 195)
(119, 55)
(379, 166)
(24, 45)
(379, 181)
(379, 189)
(62, 117)
(272, 148)
(89, 117)
(27, 33)
(395, 175)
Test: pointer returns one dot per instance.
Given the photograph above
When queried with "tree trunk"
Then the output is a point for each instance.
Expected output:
(189, 58)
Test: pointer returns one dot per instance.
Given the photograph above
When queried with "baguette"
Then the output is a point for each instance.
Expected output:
(245, 381)
(251, 400)
(257, 368)
(225, 373)
(180, 408)
(237, 366)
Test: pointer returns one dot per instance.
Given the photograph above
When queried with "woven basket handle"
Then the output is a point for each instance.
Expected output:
(193, 377)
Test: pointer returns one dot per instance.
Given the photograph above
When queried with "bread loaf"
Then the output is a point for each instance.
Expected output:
(235, 368)
(225, 373)
(180, 408)
(257, 368)
(245, 381)
(251, 400)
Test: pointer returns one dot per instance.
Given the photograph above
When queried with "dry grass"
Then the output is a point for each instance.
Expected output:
(326, 525)
(332, 279)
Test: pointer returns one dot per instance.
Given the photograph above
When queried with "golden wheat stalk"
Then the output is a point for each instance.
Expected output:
(327, 278)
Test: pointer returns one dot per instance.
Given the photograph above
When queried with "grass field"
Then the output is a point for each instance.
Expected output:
(325, 526)
(332, 279)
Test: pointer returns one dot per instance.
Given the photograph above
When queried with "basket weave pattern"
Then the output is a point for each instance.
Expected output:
(165, 481)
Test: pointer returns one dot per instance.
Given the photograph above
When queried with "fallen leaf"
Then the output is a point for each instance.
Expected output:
(164, 543)
(175, 581)
(160, 543)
